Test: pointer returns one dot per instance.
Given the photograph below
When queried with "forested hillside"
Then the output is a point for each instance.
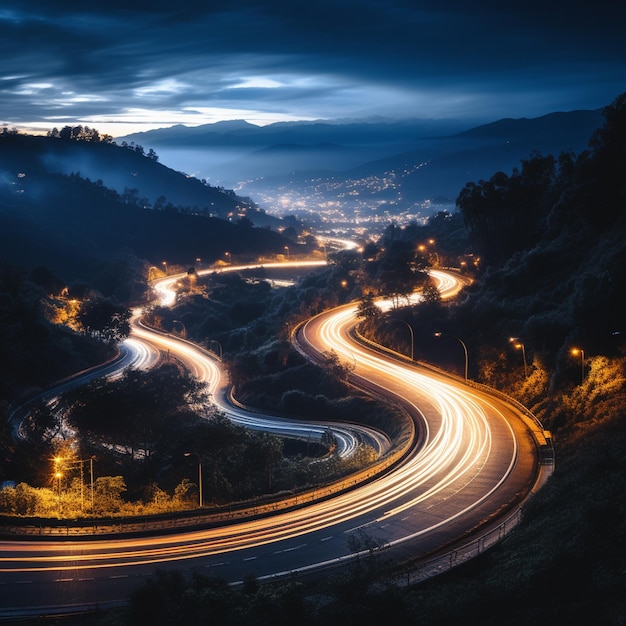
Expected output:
(53, 214)
(547, 242)
(547, 247)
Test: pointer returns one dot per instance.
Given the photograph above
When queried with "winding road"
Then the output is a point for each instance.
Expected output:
(476, 457)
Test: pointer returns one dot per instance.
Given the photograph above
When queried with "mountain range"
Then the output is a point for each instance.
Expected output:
(428, 159)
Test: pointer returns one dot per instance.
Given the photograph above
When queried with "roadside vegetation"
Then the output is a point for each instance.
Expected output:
(548, 243)
(546, 248)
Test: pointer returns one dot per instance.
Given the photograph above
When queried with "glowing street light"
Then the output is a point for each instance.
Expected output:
(464, 348)
(199, 475)
(164, 264)
(576, 352)
(517, 344)
(287, 250)
(395, 319)
(58, 475)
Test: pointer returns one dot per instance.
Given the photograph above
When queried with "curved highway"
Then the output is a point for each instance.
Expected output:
(476, 459)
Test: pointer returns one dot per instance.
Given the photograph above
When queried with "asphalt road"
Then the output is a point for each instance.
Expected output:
(476, 457)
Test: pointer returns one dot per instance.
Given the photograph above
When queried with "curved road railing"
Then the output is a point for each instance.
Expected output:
(451, 484)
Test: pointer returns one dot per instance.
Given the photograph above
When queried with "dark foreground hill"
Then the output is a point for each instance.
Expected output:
(52, 213)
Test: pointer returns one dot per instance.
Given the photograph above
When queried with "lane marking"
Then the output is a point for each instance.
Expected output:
(302, 545)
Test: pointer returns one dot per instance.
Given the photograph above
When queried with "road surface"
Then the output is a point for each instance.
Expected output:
(476, 458)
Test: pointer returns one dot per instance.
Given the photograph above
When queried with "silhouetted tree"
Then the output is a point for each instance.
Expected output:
(104, 319)
(507, 214)
(367, 309)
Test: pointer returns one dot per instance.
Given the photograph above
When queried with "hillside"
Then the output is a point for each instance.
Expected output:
(126, 168)
(53, 213)
(557, 285)
(500, 146)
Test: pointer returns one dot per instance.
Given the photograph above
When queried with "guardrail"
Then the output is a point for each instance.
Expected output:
(542, 436)
(185, 522)
(423, 569)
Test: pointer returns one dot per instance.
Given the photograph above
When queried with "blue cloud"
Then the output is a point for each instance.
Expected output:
(80, 61)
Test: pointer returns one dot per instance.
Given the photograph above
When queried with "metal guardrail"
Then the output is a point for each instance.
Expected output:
(421, 570)
(543, 437)
(227, 515)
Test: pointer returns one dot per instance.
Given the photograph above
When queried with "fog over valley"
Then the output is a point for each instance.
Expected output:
(362, 174)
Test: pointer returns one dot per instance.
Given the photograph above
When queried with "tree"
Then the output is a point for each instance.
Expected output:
(41, 425)
(430, 293)
(134, 410)
(48, 281)
(333, 366)
(367, 309)
(399, 271)
(108, 492)
(104, 319)
(507, 214)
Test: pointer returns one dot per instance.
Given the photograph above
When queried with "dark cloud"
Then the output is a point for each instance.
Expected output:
(175, 61)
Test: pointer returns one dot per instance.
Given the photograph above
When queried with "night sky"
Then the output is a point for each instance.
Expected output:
(122, 66)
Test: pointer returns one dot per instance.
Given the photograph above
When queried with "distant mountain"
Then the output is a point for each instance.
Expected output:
(182, 135)
(242, 133)
(451, 162)
(226, 153)
(414, 161)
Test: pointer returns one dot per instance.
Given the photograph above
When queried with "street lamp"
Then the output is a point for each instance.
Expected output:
(219, 345)
(199, 475)
(395, 319)
(519, 346)
(164, 264)
(58, 474)
(461, 342)
(576, 352)
(287, 249)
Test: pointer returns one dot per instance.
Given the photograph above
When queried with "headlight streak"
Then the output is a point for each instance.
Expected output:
(455, 449)
(204, 367)
(463, 422)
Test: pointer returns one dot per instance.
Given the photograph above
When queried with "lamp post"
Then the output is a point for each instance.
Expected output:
(91, 480)
(576, 352)
(199, 475)
(219, 345)
(395, 319)
(164, 264)
(519, 346)
(58, 474)
(464, 348)
(287, 250)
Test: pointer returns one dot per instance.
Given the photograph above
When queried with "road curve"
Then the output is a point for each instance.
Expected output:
(476, 458)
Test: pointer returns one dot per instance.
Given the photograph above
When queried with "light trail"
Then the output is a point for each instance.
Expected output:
(207, 369)
(475, 458)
